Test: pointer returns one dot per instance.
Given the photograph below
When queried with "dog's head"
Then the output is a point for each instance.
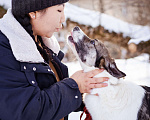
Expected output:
(92, 52)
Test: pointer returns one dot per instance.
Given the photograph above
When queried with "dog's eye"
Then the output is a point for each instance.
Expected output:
(92, 42)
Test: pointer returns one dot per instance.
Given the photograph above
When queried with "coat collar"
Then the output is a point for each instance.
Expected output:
(22, 44)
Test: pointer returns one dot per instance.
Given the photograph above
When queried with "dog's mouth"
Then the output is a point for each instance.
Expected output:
(75, 35)
(70, 38)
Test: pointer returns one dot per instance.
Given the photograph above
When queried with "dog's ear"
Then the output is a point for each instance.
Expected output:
(105, 61)
(111, 67)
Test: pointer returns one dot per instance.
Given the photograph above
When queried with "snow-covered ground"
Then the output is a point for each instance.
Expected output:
(137, 70)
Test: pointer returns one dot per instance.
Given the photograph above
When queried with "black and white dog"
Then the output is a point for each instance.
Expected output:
(121, 100)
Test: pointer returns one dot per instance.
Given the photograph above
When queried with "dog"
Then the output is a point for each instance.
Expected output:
(120, 100)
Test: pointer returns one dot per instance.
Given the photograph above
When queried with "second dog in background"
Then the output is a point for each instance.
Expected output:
(121, 100)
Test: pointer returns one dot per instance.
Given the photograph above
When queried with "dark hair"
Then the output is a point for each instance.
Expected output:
(20, 7)
(24, 20)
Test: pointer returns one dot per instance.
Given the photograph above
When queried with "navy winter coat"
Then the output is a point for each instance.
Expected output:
(28, 88)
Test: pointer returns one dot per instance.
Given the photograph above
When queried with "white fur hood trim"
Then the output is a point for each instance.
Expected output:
(22, 44)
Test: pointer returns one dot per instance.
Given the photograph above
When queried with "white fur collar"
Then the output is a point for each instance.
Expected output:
(22, 44)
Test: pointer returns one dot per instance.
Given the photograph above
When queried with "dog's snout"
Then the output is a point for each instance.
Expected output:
(76, 28)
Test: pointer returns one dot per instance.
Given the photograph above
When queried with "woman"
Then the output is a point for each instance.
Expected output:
(34, 84)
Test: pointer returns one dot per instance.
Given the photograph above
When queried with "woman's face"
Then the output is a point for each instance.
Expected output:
(45, 23)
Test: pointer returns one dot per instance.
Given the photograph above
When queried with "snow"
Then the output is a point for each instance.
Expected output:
(5, 3)
(137, 70)
(138, 40)
(91, 18)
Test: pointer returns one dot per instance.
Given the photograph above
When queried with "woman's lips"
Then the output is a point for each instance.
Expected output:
(58, 29)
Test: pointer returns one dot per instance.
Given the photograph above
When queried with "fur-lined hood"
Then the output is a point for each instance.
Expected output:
(22, 44)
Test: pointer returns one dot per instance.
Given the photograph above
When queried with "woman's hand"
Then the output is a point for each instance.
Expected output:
(86, 81)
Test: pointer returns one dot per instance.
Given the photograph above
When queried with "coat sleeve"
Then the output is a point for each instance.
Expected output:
(20, 100)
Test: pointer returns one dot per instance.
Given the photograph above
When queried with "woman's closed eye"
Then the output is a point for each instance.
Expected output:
(59, 10)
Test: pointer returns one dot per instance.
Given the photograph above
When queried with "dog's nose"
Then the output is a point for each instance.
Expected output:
(76, 28)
